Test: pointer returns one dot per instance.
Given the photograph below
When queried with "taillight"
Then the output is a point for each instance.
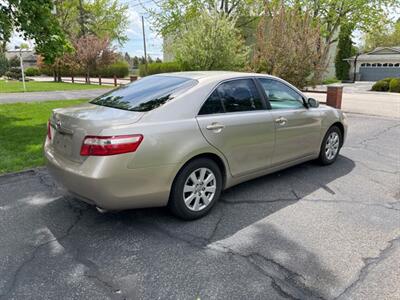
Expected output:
(110, 145)
(48, 130)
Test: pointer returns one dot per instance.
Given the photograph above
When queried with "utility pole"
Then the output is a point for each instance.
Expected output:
(22, 66)
(144, 46)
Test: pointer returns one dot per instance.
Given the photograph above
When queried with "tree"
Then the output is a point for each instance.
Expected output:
(93, 53)
(289, 45)
(212, 42)
(33, 20)
(362, 14)
(103, 18)
(107, 19)
(169, 15)
(135, 61)
(345, 50)
(388, 36)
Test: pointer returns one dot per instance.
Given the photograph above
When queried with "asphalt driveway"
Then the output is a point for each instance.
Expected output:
(308, 232)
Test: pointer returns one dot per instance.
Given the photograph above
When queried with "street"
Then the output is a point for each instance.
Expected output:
(308, 232)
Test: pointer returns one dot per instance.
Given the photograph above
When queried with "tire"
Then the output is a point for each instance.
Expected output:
(202, 181)
(330, 146)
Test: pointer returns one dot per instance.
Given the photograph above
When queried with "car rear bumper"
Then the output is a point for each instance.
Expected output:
(109, 184)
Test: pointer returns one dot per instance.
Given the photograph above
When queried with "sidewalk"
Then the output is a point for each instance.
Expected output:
(368, 103)
(54, 95)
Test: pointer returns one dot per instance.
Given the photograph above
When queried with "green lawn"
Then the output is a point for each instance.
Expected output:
(23, 127)
(13, 86)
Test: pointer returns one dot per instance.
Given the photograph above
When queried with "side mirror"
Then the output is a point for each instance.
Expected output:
(312, 102)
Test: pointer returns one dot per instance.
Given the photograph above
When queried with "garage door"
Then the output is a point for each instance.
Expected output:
(377, 73)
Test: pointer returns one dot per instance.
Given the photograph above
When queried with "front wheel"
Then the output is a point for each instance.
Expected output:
(195, 189)
(330, 146)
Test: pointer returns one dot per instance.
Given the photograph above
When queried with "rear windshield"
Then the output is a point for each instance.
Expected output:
(145, 94)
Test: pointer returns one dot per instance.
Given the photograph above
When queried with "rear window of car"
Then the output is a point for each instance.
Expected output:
(145, 94)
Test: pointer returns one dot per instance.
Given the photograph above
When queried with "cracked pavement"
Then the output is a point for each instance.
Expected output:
(308, 232)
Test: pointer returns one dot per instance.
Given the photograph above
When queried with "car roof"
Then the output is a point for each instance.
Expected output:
(211, 74)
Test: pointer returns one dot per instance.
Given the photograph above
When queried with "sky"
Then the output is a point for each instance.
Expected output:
(135, 44)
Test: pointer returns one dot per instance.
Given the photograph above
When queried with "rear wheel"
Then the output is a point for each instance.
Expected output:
(195, 189)
(330, 146)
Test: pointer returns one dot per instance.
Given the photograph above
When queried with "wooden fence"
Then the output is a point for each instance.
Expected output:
(99, 80)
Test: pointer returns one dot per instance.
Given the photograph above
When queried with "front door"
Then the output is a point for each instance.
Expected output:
(297, 128)
(234, 120)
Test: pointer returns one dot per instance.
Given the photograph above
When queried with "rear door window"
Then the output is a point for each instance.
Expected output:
(233, 96)
(213, 105)
(145, 94)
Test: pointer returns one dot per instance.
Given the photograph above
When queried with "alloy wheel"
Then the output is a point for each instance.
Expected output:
(332, 145)
(199, 189)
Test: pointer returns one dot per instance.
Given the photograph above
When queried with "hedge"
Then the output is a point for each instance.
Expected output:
(381, 86)
(32, 71)
(387, 85)
(119, 69)
(157, 68)
(394, 85)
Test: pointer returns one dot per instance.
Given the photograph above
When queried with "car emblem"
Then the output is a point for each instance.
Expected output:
(58, 124)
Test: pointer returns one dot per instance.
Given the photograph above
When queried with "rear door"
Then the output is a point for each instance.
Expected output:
(297, 128)
(234, 119)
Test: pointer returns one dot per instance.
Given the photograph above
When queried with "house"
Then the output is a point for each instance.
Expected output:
(29, 58)
(380, 63)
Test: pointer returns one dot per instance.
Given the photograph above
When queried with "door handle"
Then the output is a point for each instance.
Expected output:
(281, 121)
(215, 126)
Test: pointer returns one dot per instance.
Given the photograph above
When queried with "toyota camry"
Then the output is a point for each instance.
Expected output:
(180, 139)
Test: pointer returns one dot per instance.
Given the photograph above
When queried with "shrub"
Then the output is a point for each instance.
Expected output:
(157, 68)
(14, 61)
(211, 41)
(290, 45)
(394, 85)
(32, 71)
(119, 69)
(3, 64)
(387, 79)
(381, 86)
(14, 73)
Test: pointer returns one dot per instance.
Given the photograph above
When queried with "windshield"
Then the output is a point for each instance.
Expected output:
(145, 94)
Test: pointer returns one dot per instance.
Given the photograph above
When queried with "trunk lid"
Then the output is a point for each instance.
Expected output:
(70, 125)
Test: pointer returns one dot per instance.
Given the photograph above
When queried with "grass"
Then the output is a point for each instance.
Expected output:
(23, 127)
(14, 86)
(330, 81)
